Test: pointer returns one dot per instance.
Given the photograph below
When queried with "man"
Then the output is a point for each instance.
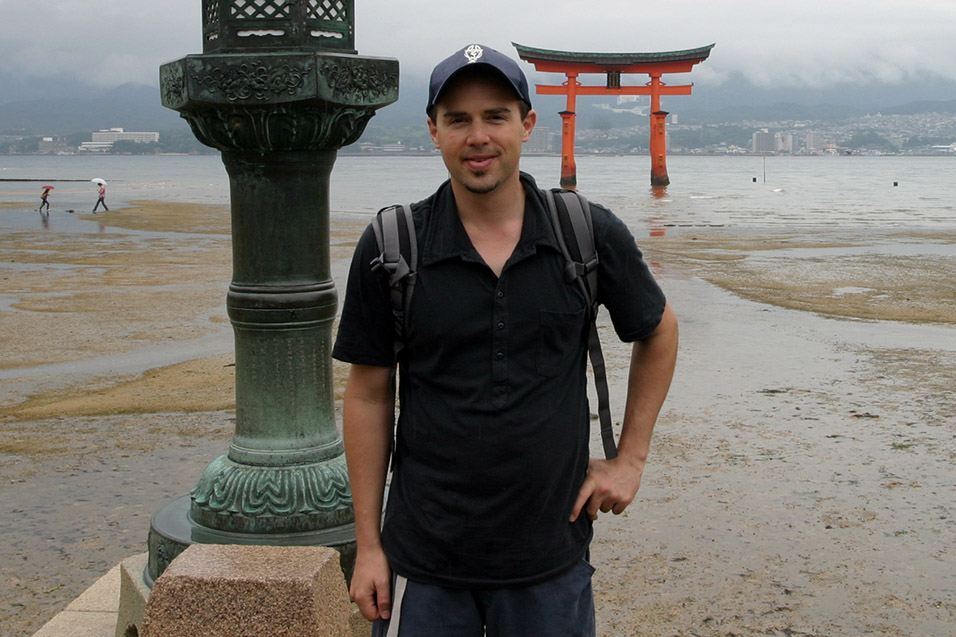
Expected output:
(492, 495)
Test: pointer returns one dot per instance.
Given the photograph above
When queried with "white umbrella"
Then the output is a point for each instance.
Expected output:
(97, 180)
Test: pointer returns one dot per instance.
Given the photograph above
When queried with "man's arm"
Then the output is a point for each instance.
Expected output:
(612, 484)
(368, 420)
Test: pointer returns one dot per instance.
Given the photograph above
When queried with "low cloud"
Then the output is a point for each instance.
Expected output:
(813, 43)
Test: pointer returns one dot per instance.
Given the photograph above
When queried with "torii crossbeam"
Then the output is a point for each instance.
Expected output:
(613, 65)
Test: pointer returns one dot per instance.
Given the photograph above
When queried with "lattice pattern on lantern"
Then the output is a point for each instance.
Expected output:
(331, 10)
(259, 9)
(277, 25)
(210, 12)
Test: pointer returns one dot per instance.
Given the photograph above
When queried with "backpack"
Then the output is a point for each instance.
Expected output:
(570, 215)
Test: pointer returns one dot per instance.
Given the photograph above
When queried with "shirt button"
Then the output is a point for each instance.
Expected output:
(501, 325)
(500, 355)
(500, 294)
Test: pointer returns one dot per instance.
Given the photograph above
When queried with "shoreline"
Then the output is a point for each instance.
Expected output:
(800, 476)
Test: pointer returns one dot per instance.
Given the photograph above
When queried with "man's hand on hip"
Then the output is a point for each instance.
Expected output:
(609, 486)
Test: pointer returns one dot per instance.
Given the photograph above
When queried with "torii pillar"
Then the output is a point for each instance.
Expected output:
(613, 65)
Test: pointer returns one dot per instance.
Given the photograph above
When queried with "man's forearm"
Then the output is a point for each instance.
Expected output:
(649, 379)
(611, 485)
(368, 415)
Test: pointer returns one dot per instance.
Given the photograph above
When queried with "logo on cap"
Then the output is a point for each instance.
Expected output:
(474, 53)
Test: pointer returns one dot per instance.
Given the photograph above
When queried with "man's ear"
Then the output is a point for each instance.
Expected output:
(433, 132)
(529, 122)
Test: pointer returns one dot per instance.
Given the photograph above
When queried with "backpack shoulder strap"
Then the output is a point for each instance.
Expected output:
(397, 261)
(574, 230)
(571, 217)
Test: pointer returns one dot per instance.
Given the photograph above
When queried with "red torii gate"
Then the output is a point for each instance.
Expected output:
(613, 65)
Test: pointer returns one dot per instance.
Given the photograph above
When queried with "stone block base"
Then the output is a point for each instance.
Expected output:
(132, 597)
(235, 591)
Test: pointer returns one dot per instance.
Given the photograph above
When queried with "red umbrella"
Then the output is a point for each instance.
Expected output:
(49, 188)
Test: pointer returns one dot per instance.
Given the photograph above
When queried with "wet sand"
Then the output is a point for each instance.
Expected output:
(801, 479)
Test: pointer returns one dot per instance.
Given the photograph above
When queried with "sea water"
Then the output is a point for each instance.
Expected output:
(705, 191)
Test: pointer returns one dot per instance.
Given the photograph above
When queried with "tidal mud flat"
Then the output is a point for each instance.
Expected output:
(801, 480)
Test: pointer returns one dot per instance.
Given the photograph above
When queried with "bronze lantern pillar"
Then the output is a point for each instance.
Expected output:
(278, 89)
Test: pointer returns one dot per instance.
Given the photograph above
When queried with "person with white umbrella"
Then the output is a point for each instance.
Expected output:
(101, 190)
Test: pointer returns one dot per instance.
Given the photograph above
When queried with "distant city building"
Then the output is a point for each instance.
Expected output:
(763, 142)
(814, 141)
(555, 137)
(104, 139)
(96, 147)
(783, 142)
(540, 141)
(51, 145)
(117, 134)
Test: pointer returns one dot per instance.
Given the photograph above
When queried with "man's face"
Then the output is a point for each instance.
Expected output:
(479, 129)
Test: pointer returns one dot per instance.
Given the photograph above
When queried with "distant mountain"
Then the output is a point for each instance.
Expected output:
(784, 111)
(733, 101)
(24, 88)
(135, 107)
(737, 100)
(948, 106)
(781, 111)
(739, 91)
(32, 106)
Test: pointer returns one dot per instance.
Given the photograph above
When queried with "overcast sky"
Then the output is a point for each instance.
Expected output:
(773, 42)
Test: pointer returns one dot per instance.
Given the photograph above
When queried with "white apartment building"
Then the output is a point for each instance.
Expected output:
(104, 139)
(763, 142)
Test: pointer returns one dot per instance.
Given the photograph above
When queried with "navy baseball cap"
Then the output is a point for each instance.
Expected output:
(477, 54)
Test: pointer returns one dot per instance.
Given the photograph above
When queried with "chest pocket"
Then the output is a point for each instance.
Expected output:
(560, 336)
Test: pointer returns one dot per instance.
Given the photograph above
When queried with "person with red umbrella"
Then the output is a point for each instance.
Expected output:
(44, 202)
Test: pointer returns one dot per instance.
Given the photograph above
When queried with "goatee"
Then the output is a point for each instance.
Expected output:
(483, 189)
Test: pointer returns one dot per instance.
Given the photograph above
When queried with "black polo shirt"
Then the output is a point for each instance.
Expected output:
(492, 438)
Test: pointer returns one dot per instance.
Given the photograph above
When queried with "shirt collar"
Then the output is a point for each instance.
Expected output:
(445, 236)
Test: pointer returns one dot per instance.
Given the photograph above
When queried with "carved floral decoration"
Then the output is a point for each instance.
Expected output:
(368, 83)
(254, 81)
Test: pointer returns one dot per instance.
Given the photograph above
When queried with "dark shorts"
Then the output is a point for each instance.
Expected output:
(560, 607)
